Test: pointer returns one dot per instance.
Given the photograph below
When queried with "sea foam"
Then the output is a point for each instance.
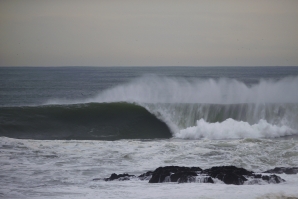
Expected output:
(232, 129)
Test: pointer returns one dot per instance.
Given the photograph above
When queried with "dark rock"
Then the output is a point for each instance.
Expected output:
(208, 180)
(183, 176)
(229, 174)
(120, 177)
(257, 176)
(198, 178)
(159, 175)
(273, 179)
(162, 174)
(146, 176)
(280, 170)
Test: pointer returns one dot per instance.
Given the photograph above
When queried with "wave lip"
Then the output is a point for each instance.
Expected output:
(232, 129)
(156, 89)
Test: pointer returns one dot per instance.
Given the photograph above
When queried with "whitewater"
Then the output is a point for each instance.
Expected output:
(57, 136)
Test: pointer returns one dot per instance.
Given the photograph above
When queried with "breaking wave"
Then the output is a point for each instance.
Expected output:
(228, 121)
(157, 89)
(191, 109)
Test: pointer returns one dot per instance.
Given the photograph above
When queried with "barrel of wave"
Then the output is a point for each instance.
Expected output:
(91, 121)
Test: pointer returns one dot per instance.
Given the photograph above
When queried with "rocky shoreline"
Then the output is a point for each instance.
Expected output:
(221, 174)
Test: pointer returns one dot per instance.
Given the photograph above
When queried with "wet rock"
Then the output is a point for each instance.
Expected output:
(146, 176)
(273, 179)
(120, 177)
(229, 174)
(199, 179)
(183, 176)
(173, 174)
(226, 174)
(280, 170)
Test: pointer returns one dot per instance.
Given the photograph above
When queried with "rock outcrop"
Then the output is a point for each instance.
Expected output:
(174, 174)
(226, 174)
(280, 170)
(229, 174)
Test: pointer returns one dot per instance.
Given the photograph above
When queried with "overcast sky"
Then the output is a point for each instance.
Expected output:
(148, 33)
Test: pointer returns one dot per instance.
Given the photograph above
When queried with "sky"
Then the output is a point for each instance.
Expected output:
(149, 33)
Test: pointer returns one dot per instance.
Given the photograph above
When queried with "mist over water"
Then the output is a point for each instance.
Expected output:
(156, 89)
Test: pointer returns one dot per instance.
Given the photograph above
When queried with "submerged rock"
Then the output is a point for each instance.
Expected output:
(273, 179)
(280, 170)
(120, 177)
(226, 174)
(146, 176)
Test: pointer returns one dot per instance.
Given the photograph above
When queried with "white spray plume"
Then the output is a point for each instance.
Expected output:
(155, 89)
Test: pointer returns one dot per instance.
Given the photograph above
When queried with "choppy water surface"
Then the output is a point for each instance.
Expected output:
(65, 169)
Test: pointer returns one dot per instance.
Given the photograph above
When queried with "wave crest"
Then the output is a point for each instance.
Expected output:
(156, 89)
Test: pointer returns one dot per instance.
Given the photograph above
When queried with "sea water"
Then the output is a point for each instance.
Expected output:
(242, 116)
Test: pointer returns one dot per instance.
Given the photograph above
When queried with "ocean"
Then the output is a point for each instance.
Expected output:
(62, 127)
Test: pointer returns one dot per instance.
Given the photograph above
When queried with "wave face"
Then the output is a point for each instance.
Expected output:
(93, 121)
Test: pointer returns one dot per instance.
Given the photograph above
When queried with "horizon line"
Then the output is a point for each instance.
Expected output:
(150, 66)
